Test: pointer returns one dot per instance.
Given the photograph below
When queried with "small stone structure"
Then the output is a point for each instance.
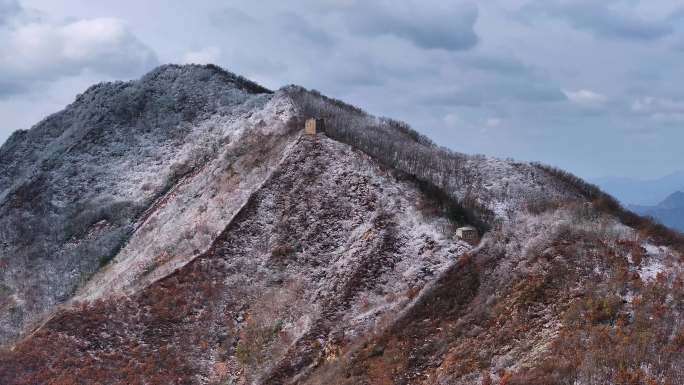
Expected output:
(468, 234)
(313, 126)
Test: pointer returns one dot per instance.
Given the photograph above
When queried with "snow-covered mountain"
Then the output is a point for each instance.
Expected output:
(182, 229)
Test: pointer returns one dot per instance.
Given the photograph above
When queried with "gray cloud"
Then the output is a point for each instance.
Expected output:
(497, 63)
(488, 92)
(474, 78)
(10, 87)
(601, 18)
(665, 110)
(679, 45)
(304, 31)
(288, 24)
(230, 17)
(448, 27)
(8, 9)
(39, 51)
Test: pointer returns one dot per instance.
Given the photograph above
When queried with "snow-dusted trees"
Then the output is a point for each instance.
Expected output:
(607, 204)
(398, 146)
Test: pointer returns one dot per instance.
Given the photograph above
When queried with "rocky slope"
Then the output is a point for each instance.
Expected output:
(182, 229)
(95, 183)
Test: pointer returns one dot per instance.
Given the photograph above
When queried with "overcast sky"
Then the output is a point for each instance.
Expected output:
(593, 86)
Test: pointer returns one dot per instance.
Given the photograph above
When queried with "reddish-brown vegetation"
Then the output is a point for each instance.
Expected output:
(148, 339)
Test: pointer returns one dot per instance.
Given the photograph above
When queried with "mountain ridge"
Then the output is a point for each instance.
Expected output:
(91, 166)
(189, 233)
(669, 212)
(673, 201)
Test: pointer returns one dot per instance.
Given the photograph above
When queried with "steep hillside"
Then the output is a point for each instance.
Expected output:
(84, 185)
(224, 246)
(329, 246)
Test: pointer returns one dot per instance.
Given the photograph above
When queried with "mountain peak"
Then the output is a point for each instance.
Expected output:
(172, 77)
(203, 72)
(182, 228)
(673, 201)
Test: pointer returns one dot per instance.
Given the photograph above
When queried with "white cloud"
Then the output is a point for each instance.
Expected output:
(585, 98)
(43, 51)
(208, 55)
(493, 122)
(452, 120)
(663, 110)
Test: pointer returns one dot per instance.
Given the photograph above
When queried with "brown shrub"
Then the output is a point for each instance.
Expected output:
(282, 251)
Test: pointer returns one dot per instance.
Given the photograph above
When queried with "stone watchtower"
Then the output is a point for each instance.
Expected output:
(468, 234)
(313, 126)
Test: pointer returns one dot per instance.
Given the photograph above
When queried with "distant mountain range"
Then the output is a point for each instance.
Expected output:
(642, 192)
(669, 212)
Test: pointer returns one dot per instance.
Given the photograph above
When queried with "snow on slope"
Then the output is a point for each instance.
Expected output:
(227, 247)
(184, 222)
(330, 247)
(73, 187)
